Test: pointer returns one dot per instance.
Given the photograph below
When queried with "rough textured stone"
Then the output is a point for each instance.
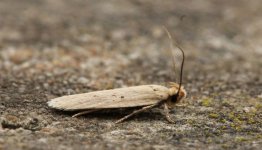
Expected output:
(53, 48)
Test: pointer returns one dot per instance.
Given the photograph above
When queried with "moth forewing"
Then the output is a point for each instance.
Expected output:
(143, 95)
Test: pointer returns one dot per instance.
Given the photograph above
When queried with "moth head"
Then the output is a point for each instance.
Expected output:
(177, 93)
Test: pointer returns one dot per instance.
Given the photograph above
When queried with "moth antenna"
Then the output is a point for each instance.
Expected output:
(171, 47)
(183, 57)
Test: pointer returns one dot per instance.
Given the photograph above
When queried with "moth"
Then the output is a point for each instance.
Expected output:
(144, 96)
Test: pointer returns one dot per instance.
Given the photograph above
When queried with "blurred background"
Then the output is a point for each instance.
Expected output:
(52, 48)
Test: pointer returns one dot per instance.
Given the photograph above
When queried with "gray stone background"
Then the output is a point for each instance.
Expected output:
(53, 48)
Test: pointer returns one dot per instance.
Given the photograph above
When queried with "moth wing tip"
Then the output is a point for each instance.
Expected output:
(50, 104)
(53, 104)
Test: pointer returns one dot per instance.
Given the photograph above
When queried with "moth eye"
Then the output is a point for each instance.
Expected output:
(122, 97)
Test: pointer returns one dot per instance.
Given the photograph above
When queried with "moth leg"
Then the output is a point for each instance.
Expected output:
(167, 114)
(85, 112)
(181, 105)
(136, 112)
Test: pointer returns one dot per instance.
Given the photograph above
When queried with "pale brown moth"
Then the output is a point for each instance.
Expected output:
(144, 96)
